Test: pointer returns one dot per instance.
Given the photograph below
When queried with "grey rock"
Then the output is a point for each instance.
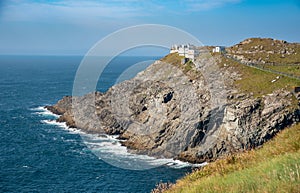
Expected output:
(162, 113)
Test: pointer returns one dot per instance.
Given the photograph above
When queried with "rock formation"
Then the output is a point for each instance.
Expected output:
(168, 112)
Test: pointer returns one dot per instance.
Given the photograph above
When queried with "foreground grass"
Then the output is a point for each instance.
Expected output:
(273, 168)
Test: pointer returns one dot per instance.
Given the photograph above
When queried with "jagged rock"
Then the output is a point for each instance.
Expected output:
(162, 113)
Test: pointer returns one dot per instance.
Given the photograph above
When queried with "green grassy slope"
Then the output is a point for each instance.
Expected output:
(257, 81)
(273, 168)
(268, 50)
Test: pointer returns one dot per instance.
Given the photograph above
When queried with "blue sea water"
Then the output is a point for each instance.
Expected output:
(40, 157)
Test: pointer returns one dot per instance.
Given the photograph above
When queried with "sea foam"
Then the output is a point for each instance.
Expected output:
(109, 149)
(44, 112)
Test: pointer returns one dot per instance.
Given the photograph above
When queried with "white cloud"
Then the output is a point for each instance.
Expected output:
(68, 10)
(78, 10)
(200, 5)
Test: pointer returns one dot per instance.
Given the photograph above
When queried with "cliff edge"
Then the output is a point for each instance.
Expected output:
(196, 112)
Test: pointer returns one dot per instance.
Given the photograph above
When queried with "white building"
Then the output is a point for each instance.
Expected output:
(191, 54)
(182, 50)
(218, 49)
(188, 51)
(174, 49)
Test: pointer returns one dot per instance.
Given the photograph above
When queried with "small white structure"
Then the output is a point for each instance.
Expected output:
(218, 49)
(174, 49)
(191, 54)
(186, 50)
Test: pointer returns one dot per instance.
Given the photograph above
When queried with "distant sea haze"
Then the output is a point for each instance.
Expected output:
(43, 157)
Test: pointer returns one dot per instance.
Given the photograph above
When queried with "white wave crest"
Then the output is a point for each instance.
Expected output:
(109, 149)
(44, 112)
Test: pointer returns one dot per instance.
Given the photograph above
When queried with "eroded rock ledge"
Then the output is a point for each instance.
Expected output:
(162, 112)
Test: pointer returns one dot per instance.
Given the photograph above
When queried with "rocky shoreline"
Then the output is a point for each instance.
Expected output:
(165, 113)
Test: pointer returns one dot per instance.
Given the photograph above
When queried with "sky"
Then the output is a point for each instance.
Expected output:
(72, 27)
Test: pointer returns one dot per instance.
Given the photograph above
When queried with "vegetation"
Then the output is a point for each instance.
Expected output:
(257, 81)
(273, 168)
(289, 69)
(252, 80)
(188, 68)
(268, 50)
(173, 59)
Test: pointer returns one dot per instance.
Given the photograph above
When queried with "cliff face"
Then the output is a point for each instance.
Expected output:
(168, 112)
(246, 124)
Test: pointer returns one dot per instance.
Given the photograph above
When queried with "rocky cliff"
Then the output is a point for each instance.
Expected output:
(178, 111)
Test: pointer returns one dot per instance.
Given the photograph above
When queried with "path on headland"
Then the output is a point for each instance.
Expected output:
(259, 67)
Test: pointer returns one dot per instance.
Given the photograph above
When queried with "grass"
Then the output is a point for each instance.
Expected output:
(173, 59)
(254, 81)
(257, 81)
(273, 168)
(270, 45)
(188, 68)
(289, 69)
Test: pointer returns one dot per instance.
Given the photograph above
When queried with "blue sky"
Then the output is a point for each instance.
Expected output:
(59, 27)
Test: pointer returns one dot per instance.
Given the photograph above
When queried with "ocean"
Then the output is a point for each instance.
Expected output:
(38, 155)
